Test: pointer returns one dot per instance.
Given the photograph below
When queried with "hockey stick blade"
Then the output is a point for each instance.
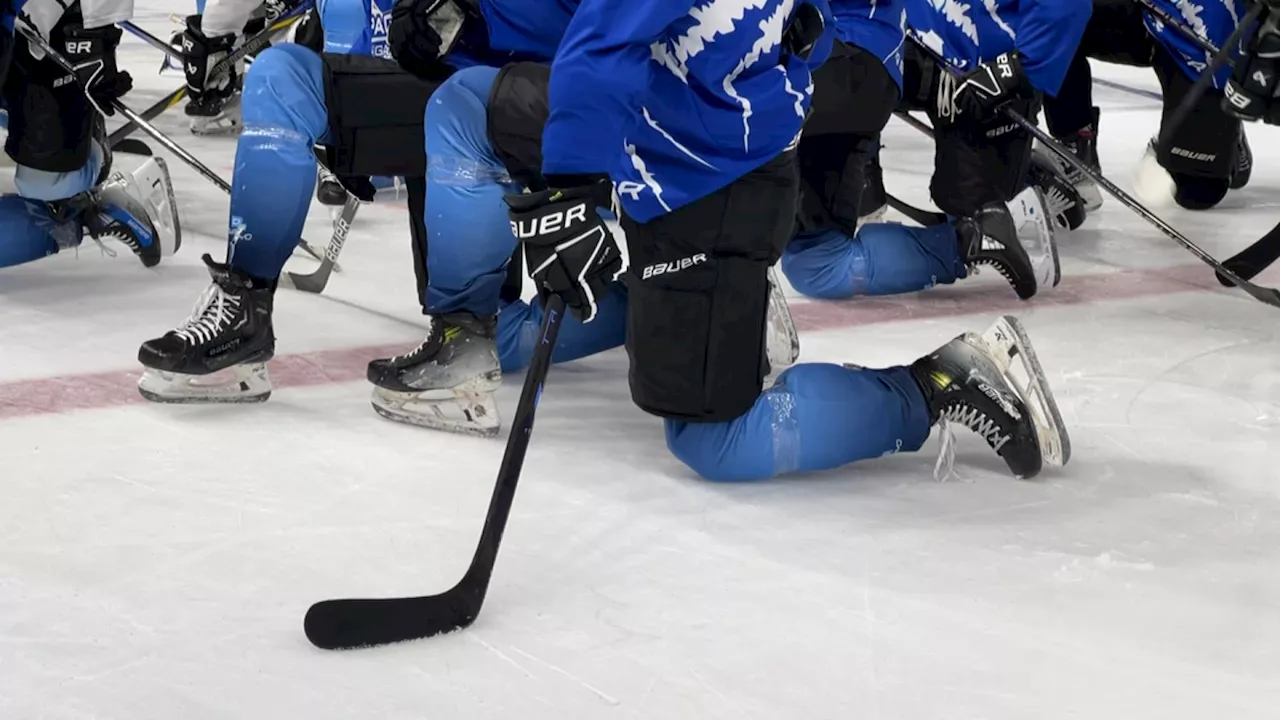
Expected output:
(923, 217)
(1251, 261)
(346, 624)
(132, 146)
(315, 282)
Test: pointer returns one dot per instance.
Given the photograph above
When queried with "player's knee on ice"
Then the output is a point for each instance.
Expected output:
(817, 416)
(883, 259)
(49, 186)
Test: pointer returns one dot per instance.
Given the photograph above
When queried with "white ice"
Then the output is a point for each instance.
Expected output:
(156, 562)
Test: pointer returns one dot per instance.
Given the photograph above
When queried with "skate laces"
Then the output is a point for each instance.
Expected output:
(969, 417)
(215, 310)
(431, 334)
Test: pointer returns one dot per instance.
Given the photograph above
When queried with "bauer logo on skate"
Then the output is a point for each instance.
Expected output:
(549, 223)
(674, 266)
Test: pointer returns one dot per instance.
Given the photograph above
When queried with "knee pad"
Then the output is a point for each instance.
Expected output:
(1198, 193)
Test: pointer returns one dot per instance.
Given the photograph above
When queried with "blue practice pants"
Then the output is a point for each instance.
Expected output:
(883, 259)
(27, 232)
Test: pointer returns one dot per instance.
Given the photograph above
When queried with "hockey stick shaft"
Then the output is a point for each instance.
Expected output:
(1181, 27)
(345, 624)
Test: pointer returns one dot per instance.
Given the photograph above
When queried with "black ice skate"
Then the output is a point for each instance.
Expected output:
(1243, 169)
(994, 385)
(875, 201)
(230, 329)
(217, 113)
(447, 382)
(1084, 145)
(1063, 202)
(136, 209)
(1016, 240)
(329, 189)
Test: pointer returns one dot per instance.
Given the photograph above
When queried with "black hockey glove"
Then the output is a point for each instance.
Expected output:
(567, 247)
(200, 54)
(1253, 91)
(422, 32)
(988, 87)
(93, 54)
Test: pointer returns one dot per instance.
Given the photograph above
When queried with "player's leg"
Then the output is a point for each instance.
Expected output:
(293, 99)
(1196, 164)
(57, 140)
(705, 376)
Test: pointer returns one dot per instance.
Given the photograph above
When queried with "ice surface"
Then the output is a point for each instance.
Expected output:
(156, 562)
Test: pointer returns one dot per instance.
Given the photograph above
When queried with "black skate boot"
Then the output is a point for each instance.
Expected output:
(1016, 240)
(994, 385)
(875, 201)
(1243, 169)
(1084, 145)
(1063, 202)
(447, 382)
(230, 329)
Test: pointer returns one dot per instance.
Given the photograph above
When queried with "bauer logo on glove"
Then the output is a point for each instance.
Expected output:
(567, 247)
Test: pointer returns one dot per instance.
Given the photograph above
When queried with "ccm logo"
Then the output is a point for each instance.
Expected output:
(80, 47)
(549, 223)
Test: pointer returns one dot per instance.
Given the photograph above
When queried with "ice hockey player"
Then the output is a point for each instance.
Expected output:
(369, 112)
(1252, 90)
(709, 193)
(855, 92)
(213, 33)
(1208, 153)
(56, 138)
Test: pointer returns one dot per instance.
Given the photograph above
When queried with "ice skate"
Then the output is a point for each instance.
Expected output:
(447, 382)
(219, 354)
(875, 201)
(1084, 145)
(216, 115)
(782, 342)
(993, 384)
(329, 189)
(136, 209)
(1016, 240)
(1243, 169)
(1063, 202)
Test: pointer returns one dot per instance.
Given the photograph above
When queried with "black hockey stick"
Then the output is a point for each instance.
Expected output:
(1251, 261)
(1170, 21)
(315, 282)
(132, 146)
(1267, 295)
(346, 624)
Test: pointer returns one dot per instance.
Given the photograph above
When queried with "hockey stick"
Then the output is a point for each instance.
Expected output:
(315, 282)
(1170, 21)
(346, 624)
(1267, 295)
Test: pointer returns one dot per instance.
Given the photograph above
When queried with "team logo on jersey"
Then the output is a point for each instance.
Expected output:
(378, 22)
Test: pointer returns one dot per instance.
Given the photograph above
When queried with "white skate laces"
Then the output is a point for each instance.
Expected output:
(973, 419)
(213, 311)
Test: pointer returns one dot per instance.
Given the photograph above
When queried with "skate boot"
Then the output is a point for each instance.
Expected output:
(136, 209)
(1016, 240)
(215, 115)
(329, 189)
(1243, 168)
(230, 329)
(875, 201)
(1084, 145)
(1063, 201)
(782, 342)
(447, 382)
(994, 385)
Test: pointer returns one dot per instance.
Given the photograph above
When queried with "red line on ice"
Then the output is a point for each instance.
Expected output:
(69, 393)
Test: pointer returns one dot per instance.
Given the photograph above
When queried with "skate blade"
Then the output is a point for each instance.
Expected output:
(1010, 348)
(1044, 255)
(466, 413)
(239, 384)
(783, 341)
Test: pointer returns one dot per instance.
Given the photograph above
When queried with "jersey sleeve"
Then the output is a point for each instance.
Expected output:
(1048, 36)
(598, 77)
(226, 17)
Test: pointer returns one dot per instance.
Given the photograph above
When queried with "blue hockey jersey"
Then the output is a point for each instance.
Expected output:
(1212, 20)
(1045, 33)
(877, 26)
(356, 27)
(675, 99)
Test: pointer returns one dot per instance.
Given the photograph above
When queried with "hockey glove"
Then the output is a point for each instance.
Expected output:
(1253, 91)
(93, 54)
(422, 32)
(200, 54)
(567, 247)
(989, 87)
